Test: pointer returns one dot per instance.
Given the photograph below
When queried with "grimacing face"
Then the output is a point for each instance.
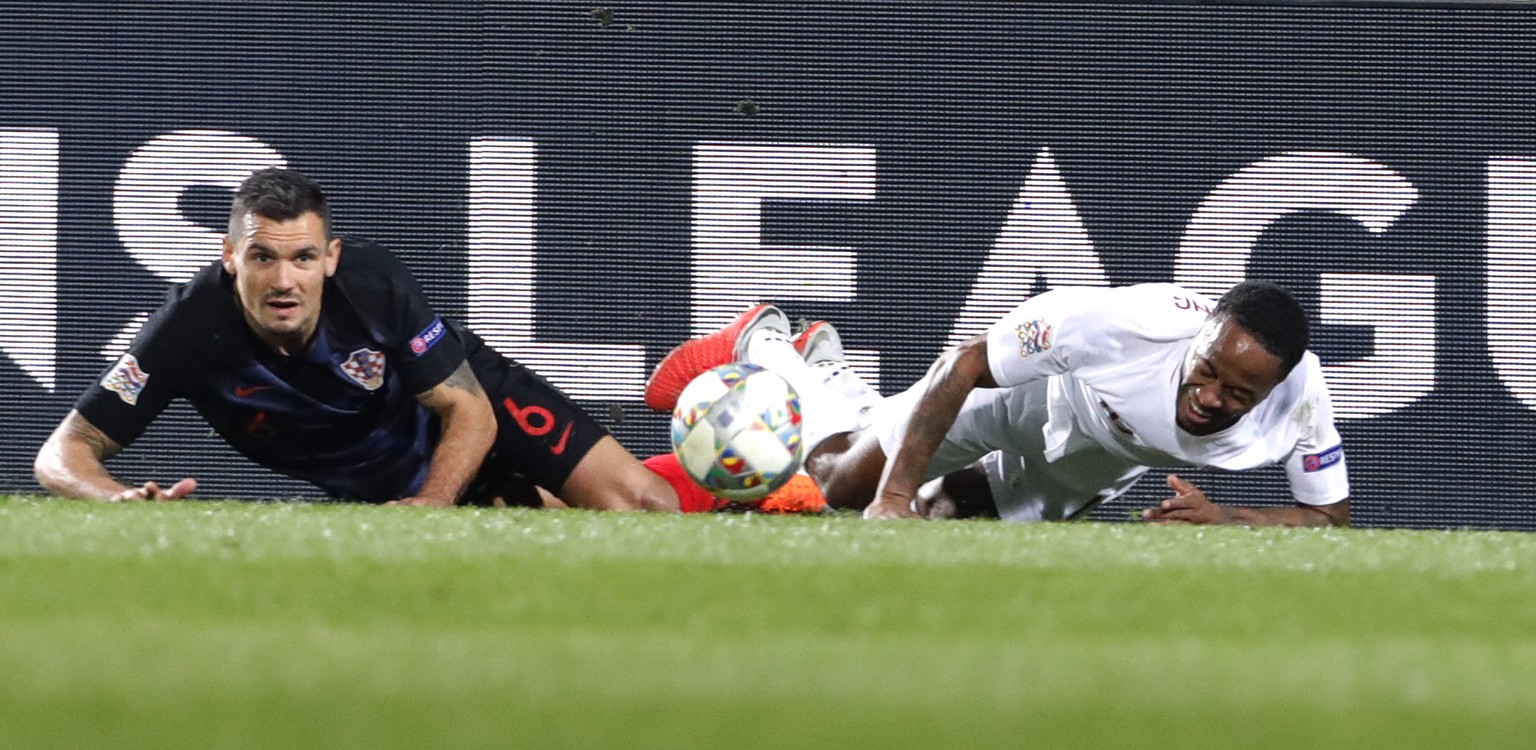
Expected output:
(280, 269)
(1226, 374)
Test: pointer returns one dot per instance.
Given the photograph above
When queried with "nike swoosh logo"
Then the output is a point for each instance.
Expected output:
(564, 436)
(242, 391)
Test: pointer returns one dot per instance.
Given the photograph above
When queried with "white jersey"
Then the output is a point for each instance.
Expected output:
(1089, 383)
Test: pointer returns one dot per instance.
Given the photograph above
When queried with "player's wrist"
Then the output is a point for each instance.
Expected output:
(1227, 514)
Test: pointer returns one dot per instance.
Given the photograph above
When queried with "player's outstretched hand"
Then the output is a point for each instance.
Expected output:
(1188, 505)
(152, 491)
(894, 508)
(422, 501)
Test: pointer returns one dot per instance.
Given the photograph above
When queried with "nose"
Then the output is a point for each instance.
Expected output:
(1209, 398)
(283, 278)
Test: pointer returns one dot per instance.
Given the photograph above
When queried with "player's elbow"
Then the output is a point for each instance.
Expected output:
(48, 467)
(966, 363)
(1337, 514)
(42, 471)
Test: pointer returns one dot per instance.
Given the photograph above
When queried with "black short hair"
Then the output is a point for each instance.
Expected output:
(280, 195)
(1272, 315)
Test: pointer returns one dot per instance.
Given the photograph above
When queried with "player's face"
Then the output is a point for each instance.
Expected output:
(1227, 373)
(280, 269)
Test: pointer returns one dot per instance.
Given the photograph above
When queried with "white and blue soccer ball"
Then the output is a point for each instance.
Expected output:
(736, 431)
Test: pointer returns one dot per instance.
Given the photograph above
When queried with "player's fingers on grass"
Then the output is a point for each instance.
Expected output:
(1173, 504)
(1179, 485)
(1165, 515)
(1181, 515)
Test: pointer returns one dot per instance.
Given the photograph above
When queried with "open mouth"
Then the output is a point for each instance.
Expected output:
(283, 307)
(1198, 416)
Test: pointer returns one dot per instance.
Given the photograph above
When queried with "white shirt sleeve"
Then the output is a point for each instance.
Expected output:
(1034, 340)
(1316, 468)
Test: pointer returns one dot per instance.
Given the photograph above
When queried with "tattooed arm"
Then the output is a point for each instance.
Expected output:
(70, 464)
(468, 429)
(949, 381)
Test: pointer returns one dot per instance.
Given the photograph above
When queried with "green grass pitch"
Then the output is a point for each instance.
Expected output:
(233, 625)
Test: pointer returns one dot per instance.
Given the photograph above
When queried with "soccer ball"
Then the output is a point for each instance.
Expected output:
(736, 431)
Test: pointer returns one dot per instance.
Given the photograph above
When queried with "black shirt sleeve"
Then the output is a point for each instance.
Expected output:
(140, 384)
(424, 350)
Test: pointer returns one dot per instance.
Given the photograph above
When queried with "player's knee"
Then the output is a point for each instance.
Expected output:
(650, 492)
(609, 477)
(847, 469)
(840, 494)
(639, 490)
(633, 501)
(842, 488)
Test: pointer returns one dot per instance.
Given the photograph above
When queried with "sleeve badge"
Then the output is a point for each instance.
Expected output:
(1034, 337)
(126, 379)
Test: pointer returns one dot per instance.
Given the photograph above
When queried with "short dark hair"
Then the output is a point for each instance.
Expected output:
(1272, 315)
(280, 195)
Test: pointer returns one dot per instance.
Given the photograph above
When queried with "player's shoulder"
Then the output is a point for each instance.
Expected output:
(1157, 311)
(1144, 298)
(1302, 396)
(199, 301)
(364, 258)
(1307, 376)
(203, 288)
(198, 315)
(367, 270)
(1165, 299)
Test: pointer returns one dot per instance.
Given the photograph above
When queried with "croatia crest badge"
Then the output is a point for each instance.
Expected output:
(366, 367)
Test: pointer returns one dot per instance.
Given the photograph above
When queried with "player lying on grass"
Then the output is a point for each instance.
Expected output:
(1065, 402)
(371, 395)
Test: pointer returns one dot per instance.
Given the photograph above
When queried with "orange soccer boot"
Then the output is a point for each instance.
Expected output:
(692, 358)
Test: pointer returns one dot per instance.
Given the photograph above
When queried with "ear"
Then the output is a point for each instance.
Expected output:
(229, 256)
(332, 256)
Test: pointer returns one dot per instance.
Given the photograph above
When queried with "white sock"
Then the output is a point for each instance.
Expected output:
(841, 377)
(824, 411)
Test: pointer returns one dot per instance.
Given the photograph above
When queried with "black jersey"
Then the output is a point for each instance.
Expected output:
(342, 415)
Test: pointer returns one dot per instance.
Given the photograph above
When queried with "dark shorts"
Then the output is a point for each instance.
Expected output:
(541, 433)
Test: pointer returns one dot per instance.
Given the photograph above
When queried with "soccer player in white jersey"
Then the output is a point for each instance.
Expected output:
(1063, 403)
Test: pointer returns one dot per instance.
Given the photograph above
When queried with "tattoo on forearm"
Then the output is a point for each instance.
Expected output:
(461, 379)
(464, 378)
(93, 437)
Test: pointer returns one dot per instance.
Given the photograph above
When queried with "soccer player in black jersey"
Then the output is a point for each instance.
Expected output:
(371, 395)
